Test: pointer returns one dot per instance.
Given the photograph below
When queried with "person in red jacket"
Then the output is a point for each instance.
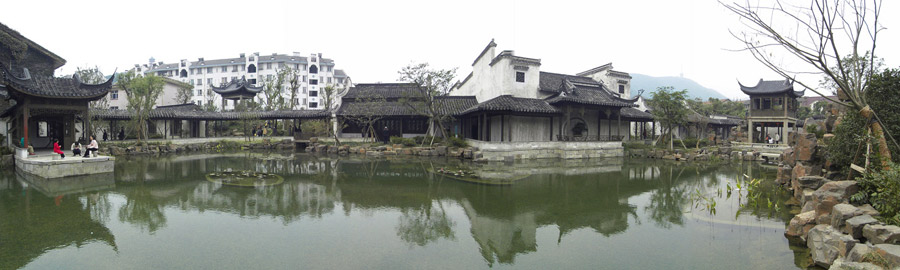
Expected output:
(57, 150)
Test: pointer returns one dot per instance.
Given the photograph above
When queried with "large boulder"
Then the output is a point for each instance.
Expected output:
(869, 210)
(882, 234)
(858, 251)
(801, 224)
(811, 182)
(784, 175)
(854, 226)
(826, 244)
(841, 213)
(788, 157)
(842, 264)
(889, 252)
(839, 190)
(806, 147)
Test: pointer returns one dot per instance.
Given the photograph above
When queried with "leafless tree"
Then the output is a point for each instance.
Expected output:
(836, 38)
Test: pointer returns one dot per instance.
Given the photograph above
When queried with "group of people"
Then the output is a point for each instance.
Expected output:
(771, 140)
(121, 135)
(93, 146)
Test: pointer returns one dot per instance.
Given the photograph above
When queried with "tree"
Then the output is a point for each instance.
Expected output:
(245, 108)
(210, 105)
(272, 98)
(293, 86)
(142, 94)
(818, 36)
(432, 84)
(328, 96)
(92, 75)
(668, 109)
(184, 94)
(367, 112)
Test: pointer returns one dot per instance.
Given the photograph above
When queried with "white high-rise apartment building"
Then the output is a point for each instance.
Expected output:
(313, 72)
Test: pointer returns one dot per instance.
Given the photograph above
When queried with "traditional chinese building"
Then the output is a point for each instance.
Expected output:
(772, 111)
(237, 90)
(41, 107)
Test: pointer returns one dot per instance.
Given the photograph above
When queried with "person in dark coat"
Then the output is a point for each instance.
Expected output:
(122, 134)
(104, 135)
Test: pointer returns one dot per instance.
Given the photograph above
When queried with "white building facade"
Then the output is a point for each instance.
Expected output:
(313, 74)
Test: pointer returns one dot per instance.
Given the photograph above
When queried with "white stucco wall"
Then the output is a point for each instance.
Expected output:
(490, 81)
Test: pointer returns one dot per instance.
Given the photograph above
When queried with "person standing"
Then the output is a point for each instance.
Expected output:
(777, 138)
(92, 147)
(104, 135)
(122, 134)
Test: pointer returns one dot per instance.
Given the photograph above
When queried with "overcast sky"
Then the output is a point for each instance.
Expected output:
(371, 40)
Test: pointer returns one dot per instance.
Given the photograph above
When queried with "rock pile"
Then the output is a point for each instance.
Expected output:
(838, 234)
(392, 150)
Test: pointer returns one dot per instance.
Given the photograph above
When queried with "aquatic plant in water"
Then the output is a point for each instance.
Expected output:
(245, 178)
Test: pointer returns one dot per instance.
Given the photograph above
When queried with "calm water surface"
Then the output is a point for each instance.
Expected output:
(162, 213)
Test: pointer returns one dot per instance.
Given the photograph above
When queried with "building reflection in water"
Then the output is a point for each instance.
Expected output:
(596, 195)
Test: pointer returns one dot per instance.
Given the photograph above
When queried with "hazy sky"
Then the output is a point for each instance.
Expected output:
(371, 40)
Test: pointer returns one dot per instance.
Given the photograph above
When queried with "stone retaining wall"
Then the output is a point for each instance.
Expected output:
(46, 167)
(499, 151)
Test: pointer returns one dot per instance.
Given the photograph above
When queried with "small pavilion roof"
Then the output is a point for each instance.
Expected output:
(238, 89)
(771, 87)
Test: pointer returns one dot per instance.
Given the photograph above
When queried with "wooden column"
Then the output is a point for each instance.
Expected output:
(608, 124)
(619, 123)
(551, 128)
(25, 116)
(502, 127)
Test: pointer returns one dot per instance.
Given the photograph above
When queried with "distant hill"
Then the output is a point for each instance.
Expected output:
(650, 83)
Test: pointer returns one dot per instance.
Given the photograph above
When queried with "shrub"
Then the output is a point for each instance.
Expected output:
(882, 190)
(456, 142)
(814, 129)
(318, 128)
(848, 142)
(403, 141)
(423, 139)
(692, 142)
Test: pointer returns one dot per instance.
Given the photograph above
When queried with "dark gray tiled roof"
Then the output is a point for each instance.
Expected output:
(339, 73)
(771, 87)
(446, 105)
(389, 91)
(635, 114)
(553, 82)
(192, 114)
(52, 87)
(507, 103)
(588, 95)
(239, 87)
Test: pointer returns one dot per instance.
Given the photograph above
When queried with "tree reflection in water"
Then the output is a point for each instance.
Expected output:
(142, 209)
(421, 226)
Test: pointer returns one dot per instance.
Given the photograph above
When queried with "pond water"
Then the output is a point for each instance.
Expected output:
(162, 213)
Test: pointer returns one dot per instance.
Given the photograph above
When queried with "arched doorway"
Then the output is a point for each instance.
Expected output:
(183, 73)
(251, 68)
(313, 69)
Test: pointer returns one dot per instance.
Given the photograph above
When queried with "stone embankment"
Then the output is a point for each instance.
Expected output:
(392, 150)
(840, 235)
(155, 149)
(724, 152)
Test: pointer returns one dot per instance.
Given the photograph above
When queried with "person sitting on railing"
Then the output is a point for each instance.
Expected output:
(76, 149)
(57, 150)
(92, 147)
